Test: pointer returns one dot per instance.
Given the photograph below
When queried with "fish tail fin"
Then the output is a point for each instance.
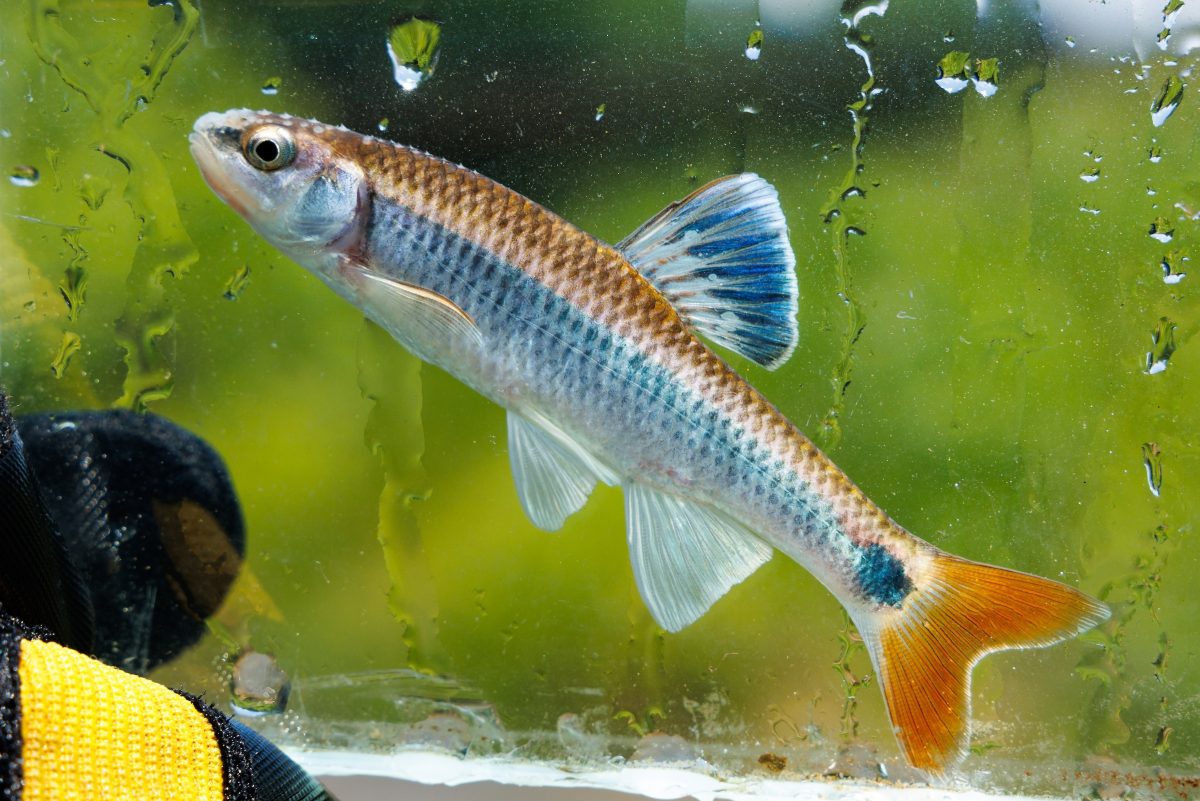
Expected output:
(958, 612)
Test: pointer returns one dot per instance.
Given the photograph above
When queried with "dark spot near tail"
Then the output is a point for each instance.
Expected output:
(882, 576)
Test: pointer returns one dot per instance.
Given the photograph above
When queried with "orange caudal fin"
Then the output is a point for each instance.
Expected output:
(958, 612)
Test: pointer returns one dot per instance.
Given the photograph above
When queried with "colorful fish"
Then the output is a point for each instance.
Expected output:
(593, 350)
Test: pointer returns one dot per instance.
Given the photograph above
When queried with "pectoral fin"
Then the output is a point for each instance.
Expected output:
(553, 473)
(423, 321)
(685, 556)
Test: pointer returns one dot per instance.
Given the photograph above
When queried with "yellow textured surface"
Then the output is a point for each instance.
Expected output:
(91, 731)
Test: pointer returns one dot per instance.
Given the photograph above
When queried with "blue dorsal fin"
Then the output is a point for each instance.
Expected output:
(721, 256)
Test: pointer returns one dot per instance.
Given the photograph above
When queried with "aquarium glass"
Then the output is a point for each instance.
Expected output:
(995, 208)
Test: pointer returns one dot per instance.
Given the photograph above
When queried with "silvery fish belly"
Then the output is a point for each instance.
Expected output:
(594, 350)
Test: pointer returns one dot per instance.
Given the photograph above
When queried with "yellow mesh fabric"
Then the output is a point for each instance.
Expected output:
(90, 731)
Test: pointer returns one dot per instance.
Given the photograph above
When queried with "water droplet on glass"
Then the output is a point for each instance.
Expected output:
(986, 76)
(237, 283)
(258, 685)
(1069, 41)
(953, 72)
(1167, 101)
(24, 175)
(1152, 459)
(413, 47)
(30, 305)
(492, 76)
(1162, 346)
(600, 111)
(949, 37)
(1090, 175)
(748, 109)
(1155, 155)
(93, 189)
(68, 347)
(1086, 209)
(271, 85)
(1172, 266)
(754, 43)
(382, 125)
(1162, 230)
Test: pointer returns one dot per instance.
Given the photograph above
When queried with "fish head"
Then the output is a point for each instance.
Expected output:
(293, 180)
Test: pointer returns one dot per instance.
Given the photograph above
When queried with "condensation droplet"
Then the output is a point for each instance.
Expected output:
(1152, 459)
(413, 48)
(67, 347)
(1162, 230)
(237, 283)
(1090, 175)
(271, 85)
(953, 72)
(1162, 346)
(258, 685)
(1166, 101)
(1172, 266)
(986, 76)
(24, 175)
(754, 43)
(93, 189)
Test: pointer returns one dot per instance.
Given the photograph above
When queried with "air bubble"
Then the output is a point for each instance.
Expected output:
(24, 175)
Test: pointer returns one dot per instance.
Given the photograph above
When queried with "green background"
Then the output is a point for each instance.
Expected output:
(995, 402)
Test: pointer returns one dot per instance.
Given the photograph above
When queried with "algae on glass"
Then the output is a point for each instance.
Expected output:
(998, 344)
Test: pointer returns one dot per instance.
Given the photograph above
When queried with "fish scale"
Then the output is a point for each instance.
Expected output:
(593, 350)
(612, 292)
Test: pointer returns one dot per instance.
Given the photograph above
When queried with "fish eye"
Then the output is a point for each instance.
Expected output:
(269, 148)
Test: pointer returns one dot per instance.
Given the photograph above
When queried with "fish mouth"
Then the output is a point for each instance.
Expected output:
(207, 154)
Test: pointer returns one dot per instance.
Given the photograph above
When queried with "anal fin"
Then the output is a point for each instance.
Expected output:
(685, 556)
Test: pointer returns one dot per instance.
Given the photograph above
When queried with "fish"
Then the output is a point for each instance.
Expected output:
(595, 351)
